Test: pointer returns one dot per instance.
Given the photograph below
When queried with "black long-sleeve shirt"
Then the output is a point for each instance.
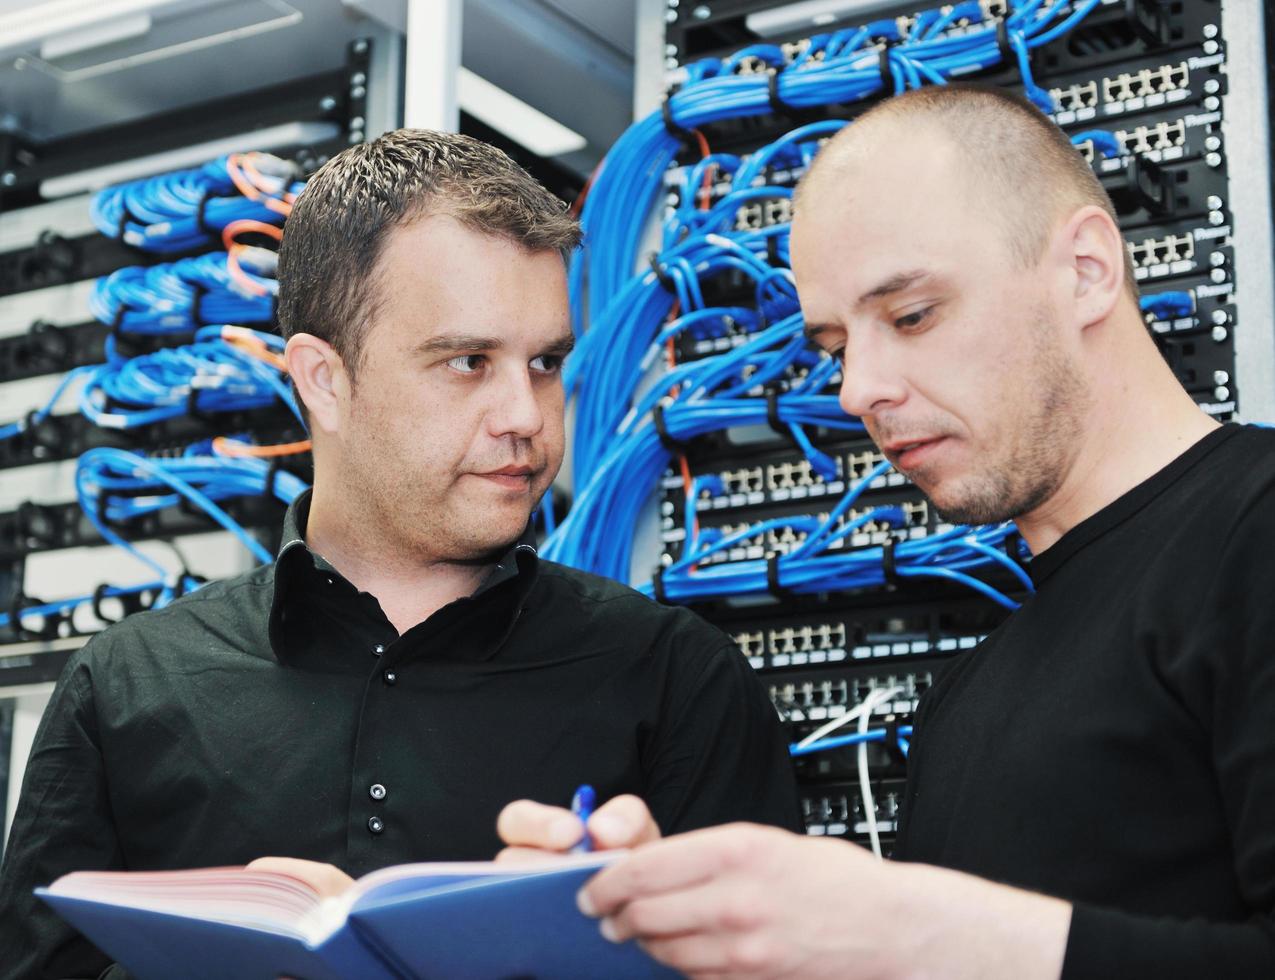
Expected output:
(1113, 743)
(281, 713)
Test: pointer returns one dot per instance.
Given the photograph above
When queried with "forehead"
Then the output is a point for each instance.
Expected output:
(436, 273)
(900, 203)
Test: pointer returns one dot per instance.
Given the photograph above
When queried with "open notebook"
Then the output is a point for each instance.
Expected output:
(409, 922)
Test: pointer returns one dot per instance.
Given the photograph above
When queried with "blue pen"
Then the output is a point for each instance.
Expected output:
(582, 806)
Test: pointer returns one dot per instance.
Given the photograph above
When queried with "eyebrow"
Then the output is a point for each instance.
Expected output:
(888, 287)
(454, 343)
(895, 284)
(813, 330)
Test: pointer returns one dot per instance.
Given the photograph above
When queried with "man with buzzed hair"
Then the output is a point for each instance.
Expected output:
(1091, 792)
(408, 664)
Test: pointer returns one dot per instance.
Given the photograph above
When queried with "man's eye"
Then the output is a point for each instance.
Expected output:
(913, 319)
(466, 363)
(546, 363)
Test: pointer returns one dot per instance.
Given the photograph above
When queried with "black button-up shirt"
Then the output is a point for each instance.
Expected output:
(280, 713)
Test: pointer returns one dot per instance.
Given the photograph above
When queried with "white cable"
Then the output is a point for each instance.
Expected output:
(865, 788)
(849, 716)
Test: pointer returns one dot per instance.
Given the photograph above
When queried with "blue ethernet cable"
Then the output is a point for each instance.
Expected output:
(115, 486)
(186, 209)
(208, 375)
(1169, 305)
(1104, 142)
(626, 188)
(854, 738)
(178, 297)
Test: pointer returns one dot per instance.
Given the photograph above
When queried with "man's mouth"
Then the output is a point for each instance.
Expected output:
(909, 453)
(510, 477)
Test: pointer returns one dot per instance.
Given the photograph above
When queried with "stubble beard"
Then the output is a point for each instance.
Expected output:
(1032, 466)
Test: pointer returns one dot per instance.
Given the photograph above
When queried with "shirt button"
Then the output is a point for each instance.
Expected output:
(376, 791)
(375, 824)
(378, 649)
(391, 678)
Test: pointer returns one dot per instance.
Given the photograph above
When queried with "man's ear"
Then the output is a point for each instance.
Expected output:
(319, 374)
(1091, 244)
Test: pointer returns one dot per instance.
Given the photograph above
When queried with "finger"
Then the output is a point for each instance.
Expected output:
(527, 855)
(667, 865)
(718, 906)
(525, 823)
(622, 822)
(698, 956)
(325, 879)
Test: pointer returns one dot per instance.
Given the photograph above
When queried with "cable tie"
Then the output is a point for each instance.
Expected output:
(772, 252)
(201, 216)
(773, 585)
(772, 411)
(98, 595)
(892, 740)
(269, 489)
(782, 108)
(889, 567)
(16, 603)
(661, 274)
(1009, 54)
(1012, 541)
(197, 293)
(671, 125)
(667, 440)
(657, 585)
(883, 66)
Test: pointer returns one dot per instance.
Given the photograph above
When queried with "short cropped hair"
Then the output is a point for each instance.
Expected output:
(1024, 161)
(333, 237)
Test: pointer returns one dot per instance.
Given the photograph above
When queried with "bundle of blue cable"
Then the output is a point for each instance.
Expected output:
(186, 209)
(177, 297)
(207, 376)
(119, 485)
(836, 68)
(819, 563)
(720, 393)
(623, 345)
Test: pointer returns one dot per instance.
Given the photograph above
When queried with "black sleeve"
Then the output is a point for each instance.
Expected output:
(718, 755)
(63, 823)
(1224, 673)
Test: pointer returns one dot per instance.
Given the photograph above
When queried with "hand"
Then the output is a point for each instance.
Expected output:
(749, 901)
(535, 832)
(327, 880)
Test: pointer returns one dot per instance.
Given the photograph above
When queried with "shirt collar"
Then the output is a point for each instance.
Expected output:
(298, 569)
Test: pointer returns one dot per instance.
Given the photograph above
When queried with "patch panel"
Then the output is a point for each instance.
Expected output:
(1115, 31)
(822, 697)
(1144, 85)
(65, 436)
(1165, 137)
(1167, 250)
(836, 810)
(813, 641)
(34, 527)
(782, 540)
(764, 214)
(784, 477)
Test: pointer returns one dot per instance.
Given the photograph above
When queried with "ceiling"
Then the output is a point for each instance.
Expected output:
(169, 54)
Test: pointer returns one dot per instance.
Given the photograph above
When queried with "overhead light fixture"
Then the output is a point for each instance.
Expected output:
(94, 36)
(269, 138)
(507, 113)
(810, 14)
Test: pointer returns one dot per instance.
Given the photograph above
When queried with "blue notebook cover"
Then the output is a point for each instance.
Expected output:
(498, 926)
